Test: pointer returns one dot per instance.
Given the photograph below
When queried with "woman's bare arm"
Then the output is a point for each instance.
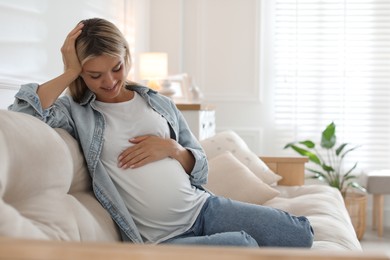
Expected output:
(51, 90)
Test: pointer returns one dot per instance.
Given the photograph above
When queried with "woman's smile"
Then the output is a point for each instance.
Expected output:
(105, 76)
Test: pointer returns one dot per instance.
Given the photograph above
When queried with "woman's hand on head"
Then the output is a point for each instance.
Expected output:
(49, 91)
(68, 50)
(147, 149)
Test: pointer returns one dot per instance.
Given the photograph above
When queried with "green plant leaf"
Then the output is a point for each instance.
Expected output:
(328, 139)
(350, 170)
(327, 168)
(288, 145)
(312, 156)
(349, 177)
(340, 149)
(319, 175)
(336, 184)
(309, 144)
(349, 150)
(357, 186)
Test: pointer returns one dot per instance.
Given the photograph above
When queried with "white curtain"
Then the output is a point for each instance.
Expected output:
(329, 60)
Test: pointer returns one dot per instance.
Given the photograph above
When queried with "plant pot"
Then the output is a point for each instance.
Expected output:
(356, 207)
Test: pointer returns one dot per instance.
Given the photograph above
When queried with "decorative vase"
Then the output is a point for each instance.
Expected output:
(194, 91)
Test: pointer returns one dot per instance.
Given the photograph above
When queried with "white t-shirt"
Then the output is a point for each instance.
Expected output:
(159, 195)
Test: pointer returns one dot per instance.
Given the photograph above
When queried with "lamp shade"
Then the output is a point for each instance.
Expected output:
(153, 65)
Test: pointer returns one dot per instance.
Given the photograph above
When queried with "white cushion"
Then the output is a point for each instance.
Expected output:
(37, 169)
(229, 178)
(232, 142)
(324, 207)
(35, 176)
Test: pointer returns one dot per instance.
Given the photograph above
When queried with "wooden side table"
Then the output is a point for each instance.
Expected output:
(291, 168)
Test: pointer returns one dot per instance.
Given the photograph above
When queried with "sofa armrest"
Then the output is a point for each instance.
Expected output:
(292, 169)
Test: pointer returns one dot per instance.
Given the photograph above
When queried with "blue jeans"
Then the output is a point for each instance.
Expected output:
(225, 222)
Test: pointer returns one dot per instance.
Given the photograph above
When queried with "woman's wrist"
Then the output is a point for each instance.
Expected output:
(73, 74)
(184, 156)
(51, 90)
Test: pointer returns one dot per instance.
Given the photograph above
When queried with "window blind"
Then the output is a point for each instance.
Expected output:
(330, 61)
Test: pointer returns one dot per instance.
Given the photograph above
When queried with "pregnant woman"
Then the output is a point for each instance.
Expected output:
(147, 168)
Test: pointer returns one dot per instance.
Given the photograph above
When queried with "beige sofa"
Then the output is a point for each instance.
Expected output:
(46, 195)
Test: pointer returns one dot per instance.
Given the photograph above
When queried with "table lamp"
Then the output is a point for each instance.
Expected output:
(153, 67)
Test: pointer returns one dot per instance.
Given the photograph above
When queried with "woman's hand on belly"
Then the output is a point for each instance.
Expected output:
(146, 149)
(150, 148)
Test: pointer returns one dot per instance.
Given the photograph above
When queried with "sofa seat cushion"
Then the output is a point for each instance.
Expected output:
(324, 207)
(37, 171)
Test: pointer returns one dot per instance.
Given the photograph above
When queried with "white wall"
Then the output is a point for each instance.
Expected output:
(33, 31)
(218, 43)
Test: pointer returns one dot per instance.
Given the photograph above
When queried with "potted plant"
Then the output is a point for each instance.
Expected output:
(329, 167)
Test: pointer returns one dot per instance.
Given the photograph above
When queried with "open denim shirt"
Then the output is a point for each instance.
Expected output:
(86, 124)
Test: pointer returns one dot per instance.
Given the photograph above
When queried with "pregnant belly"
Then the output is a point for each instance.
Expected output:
(157, 190)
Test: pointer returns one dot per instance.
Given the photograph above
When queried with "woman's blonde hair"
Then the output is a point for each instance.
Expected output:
(98, 37)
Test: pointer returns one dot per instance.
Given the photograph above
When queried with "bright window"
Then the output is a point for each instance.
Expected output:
(329, 60)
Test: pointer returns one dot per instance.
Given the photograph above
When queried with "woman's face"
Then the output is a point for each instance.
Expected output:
(105, 76)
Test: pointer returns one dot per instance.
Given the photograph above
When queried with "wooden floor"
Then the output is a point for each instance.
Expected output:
(371, 241)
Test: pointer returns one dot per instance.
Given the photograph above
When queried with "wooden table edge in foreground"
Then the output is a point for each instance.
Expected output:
(48, 250)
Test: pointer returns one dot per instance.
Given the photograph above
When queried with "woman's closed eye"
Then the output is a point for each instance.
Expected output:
(95, 76)
(117, 68)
